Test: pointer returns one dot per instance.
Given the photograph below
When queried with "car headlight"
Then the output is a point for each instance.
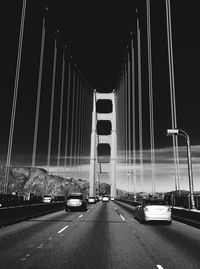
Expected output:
(146, 209)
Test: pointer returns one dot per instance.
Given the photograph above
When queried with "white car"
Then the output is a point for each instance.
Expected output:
(153, 210)
(112, 198)
(105, 198)
(91, 200)
(47, 199)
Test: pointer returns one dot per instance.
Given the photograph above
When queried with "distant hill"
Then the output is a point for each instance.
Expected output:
(25, 180)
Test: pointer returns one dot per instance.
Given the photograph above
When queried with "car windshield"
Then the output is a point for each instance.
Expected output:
(155, 202)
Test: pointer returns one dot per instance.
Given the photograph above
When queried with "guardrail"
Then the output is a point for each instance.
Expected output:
(10, 215)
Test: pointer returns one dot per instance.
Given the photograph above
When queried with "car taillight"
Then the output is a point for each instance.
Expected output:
(169, 209)
(146, 208)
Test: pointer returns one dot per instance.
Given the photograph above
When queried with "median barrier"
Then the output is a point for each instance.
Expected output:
(10, 215)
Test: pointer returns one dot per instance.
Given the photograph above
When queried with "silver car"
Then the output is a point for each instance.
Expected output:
(153, 210)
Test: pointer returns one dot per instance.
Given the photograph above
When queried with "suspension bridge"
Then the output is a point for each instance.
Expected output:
(83, 133)
(72, 120)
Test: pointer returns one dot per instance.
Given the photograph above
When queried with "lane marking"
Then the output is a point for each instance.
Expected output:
(80, 216)
(63, 229)
(159, 266)
(122, 217)
(88, 210)
(40, 246)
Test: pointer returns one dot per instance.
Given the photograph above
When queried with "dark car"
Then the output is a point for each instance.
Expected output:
(97, 198)
(7, 200)
(76, 201)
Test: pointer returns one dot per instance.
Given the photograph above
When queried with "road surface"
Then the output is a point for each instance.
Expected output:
(106, 236)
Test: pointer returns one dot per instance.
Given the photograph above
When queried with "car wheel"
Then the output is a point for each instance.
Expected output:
(142, 221)
(169, 222)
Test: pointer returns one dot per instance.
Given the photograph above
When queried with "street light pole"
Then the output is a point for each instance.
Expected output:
(190, 174)
(134, 183)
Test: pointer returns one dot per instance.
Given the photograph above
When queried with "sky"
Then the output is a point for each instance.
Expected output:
(97, 34)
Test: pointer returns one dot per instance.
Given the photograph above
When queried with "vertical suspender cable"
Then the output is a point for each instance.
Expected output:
(67, 120)
(123, 123)
(126, 127)
(140, 107)
(76, 119)
(133, 112)
(14, 104)
(61, 107)
(172, 95)
(129, 117)
(39, 91)
(80, 126)
(72, 118)
(151, 97)
(52, 104)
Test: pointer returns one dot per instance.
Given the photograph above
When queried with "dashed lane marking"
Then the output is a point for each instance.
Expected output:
(80, 216)
(159, 266)
(63, 229)
(122, 217)
(40, 246)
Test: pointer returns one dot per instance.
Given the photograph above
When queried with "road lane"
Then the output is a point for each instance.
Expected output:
(107, 236)
(100, 239)
(23, 238)
(175, 246)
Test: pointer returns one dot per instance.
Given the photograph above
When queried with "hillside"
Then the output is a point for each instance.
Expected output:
(25, 180)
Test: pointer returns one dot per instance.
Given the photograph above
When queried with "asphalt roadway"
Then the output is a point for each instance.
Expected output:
(106, 236)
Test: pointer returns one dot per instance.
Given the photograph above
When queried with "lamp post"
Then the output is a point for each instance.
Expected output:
(190, 174)
(134, 183)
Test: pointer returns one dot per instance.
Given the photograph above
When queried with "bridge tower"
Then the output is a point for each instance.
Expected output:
(110, 139)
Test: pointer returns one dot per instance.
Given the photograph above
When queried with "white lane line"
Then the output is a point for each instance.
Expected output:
(40, 246)
(159, 266)
(88, 210)
(122, 217)
(80, 216)
(63, 229)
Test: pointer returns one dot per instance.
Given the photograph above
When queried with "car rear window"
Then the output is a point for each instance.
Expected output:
(75, 197)
(155, 202)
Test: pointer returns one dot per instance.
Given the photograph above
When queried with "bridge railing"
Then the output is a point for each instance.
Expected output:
(182, 201)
